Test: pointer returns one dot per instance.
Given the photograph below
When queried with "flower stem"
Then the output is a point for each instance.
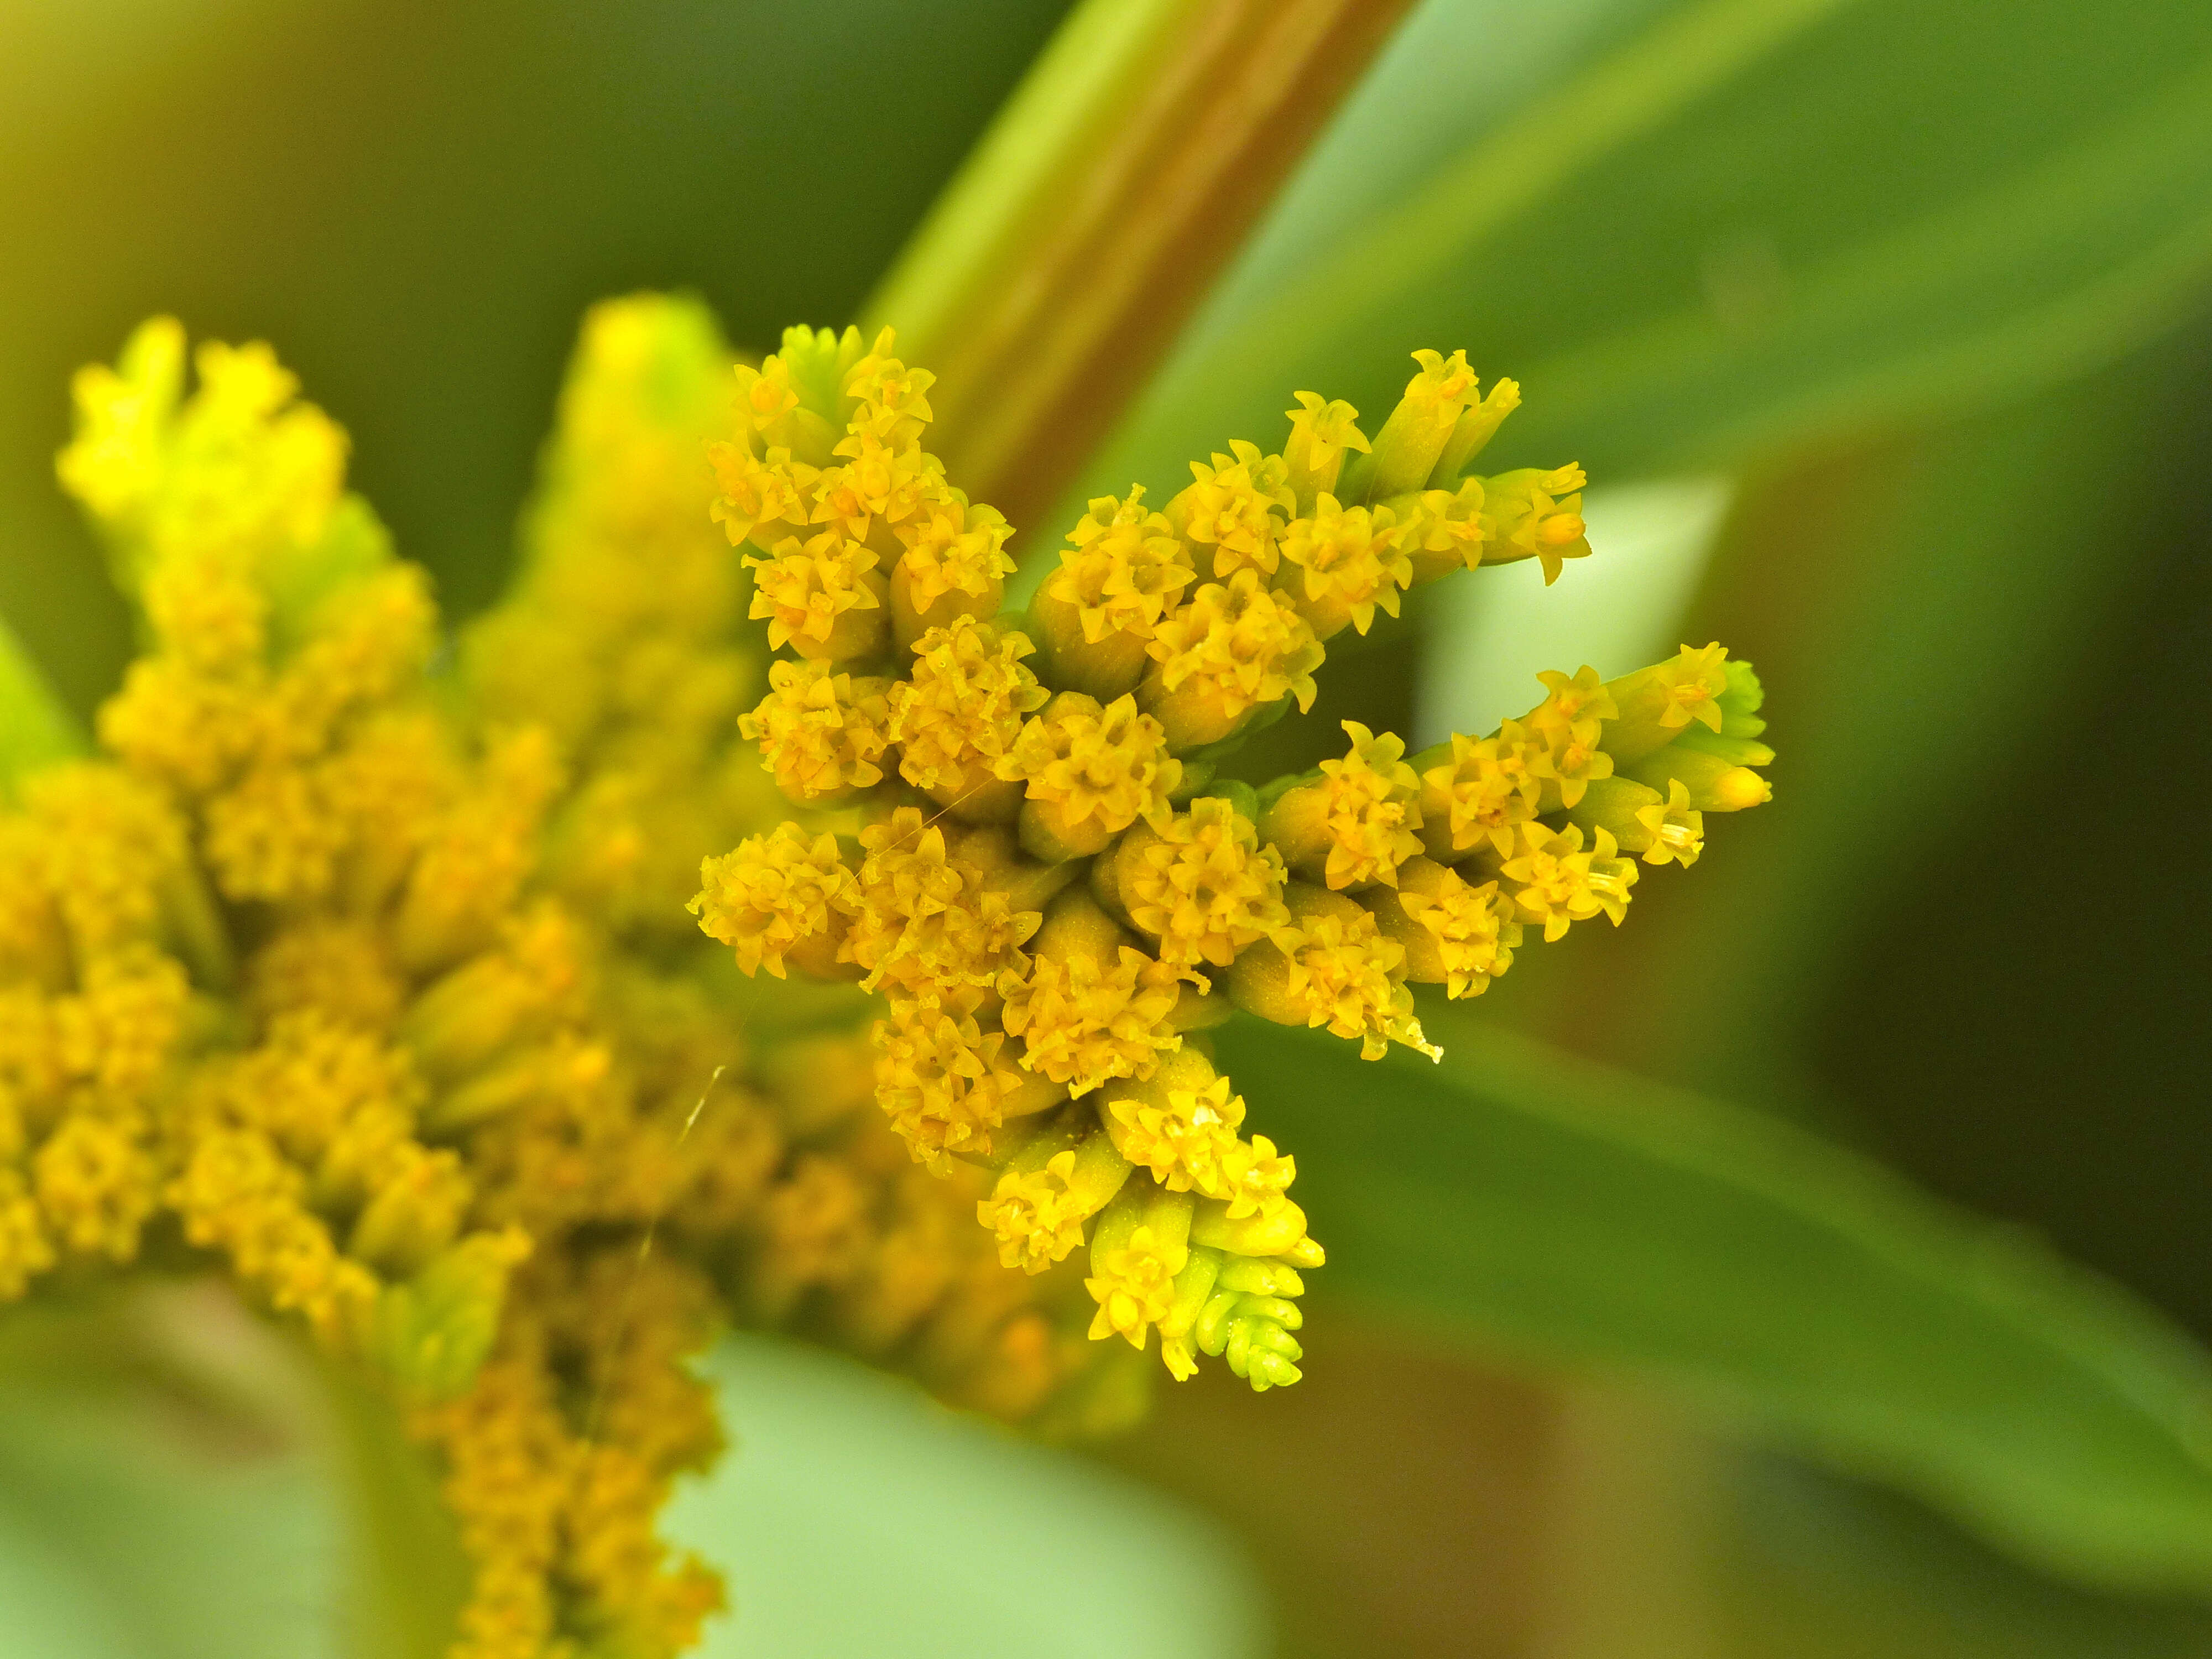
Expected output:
(1064, 257)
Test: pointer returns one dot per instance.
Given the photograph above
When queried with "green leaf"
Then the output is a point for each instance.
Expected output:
(170, 1504)
(1921, 608)
(35, 729)
(1696, 231)
(854, 1516)
(1566, 1212)
(179, 1477)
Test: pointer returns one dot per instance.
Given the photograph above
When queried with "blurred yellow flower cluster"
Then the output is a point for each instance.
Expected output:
(361, 966)
(1020, 838)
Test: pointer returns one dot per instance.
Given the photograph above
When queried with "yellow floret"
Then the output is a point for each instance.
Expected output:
(474, 860)
(120, 1032)
(1349, 562)
(1037, 1215)
(1579, 703)
(1553, 881)
(1677, 829)
(820, 731)
(1184, 1137)
(1342, 972)
(370, 640)
(237, 1196)
(1255, 1179)
(1444, 384)
(237, 468)
(207, 610)
(96, 1184)
(955, 565)
(767, 400)
(823, 598)
(1332, 966)
(887, 390)
(274, 836)
(116, 462)
(1658, 703)
(1321, 432)
(1089, 773)
(1357, 825)
(1488, 785)
(1082, 1021)
(961, 708)
(1204, 884)
(1237, 505)
(1123, 568)
(776, 895)
(1231, 649)
(923, 925)
(1439, 531)
(105, 843)
(1134, 1286)
(1456, 933)
(939, 1077)
(762, 498)
(171, 723)
(1536, 513)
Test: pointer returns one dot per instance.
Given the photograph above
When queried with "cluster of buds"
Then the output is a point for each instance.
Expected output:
(1018, 830)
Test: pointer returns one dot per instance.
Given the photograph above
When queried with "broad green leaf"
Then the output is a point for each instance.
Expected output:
(180, 1478)
(1921, 609)
(1808, 1567)
(1506, 1509)
(853, 1516)
(150, 1504)
(1696, 231)
(1573, 1214)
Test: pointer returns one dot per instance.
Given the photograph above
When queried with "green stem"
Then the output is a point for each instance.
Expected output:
(1064, 257)
(406, 1577)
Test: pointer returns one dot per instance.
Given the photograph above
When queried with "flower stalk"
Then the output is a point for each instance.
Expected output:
(1125, 171)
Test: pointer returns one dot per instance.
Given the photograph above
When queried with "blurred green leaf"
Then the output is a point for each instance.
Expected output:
(180, 1477)
(1921, 609)
(1698, 230)
(1571, 1214)
(35, 729)
(167, 1493)
(1811, 1567)
(856, 1515)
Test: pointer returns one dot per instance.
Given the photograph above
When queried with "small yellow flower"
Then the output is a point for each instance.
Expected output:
(1134, 1286)
(822, 734)
(774, 895)
(1203, 885)
(1089, 773)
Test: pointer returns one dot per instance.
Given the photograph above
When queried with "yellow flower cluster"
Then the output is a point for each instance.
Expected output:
(375, 986)
(1041, 865)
